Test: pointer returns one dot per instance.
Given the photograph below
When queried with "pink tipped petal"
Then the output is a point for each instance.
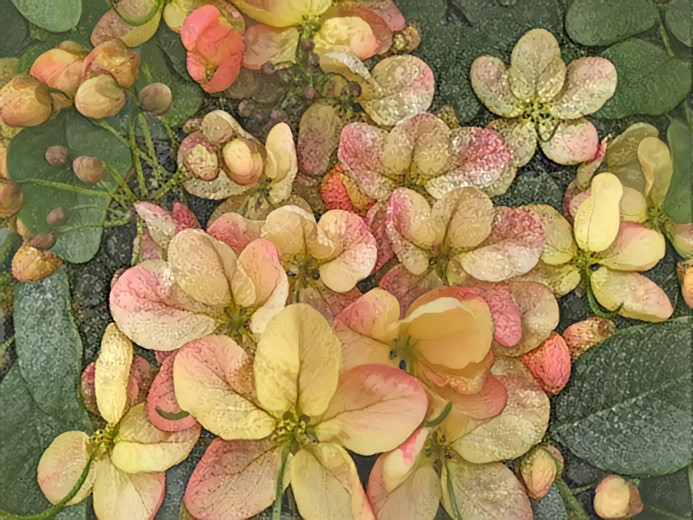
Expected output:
(318, 137)
(265, 44)
(536, 66)
(196, 23)
(636, 248)
(160, 223)
(184, 218)
(590, 82)
(398, 463)
(360, 151)
(407, 287)
(234, 480)
(539, 311)
(61, 465)
(235, 231)
(641, 298)
(489, 78)
(162, 402)
(377, 221)
(504, 311)
(550, 364)
(123, 496)
(374, 409)
(341, 32)
(572, 142)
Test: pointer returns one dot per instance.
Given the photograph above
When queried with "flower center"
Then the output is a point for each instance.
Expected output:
(294, 429)
(402, 352)
(102, 441)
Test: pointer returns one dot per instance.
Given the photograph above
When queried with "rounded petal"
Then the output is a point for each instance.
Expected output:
(112, 372)
(265, 44)
(582, 335)
(539, 311)
(561, 279)
(282, 13)
(62, 464)
(360, 153)
(633, 205)
(162, 397)
(590, 82)
(536, 66)
(348, 34)
(297, 362)
(520, 425)
(642, 299)
(559, 247)
(326, 485)
(124, 496)
(141, 447)
(485, 491)
(520, 137)
(318, 137)
(622, 155)
(550, 364)
(657, 168)
(212, 381)
(153, 311)
(467, 215)
(572, 142)
(636, 248)
(235, 230)
(374, 409)
(597, 220)
(291, 229)
(234, 479)
(489, 77)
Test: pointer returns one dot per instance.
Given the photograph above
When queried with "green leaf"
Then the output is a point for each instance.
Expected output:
(649, 80)
(666, 498)
(602, 22)
(678, 203)
(25, 432)
(678, 15)
(78, 240)
(15, 30)
(551, 507)
(55, 16)
(49, 348)
(9, 243)
(627, 407)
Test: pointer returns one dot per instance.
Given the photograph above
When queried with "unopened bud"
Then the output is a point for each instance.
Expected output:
(310, 93)
(684, 270)
(268, 68)
(539, 468)
(88, 169)
(278, 115)
(10, 198)
(58, 156)
(354, 89)
(25, 101)
(246, 107)
(313, 59)
(198, 157)
(99, 96)
(156, 99)
(219, 126)
(616, 499)
(307, 44)
(43, 241)
(61, 69)
(115, 58)
(582, 335)
(242, 161)
(57, 217)
(30, 264)
(407, 40)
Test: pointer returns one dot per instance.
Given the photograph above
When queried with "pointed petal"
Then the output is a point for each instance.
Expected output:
(572, 142)
(597, 218)
(112, 372)
(62, 464)
(589, 83)
(124, 496)
(489, 77)
(162, 396)
(636, 248)
(536, 66)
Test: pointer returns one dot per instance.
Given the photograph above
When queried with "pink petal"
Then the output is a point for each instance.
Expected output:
(360, 150)
(407, 287)
(318, 137)
(539, 314)
(162, 396)
(573, 142)
(377, 221)
(235, 231)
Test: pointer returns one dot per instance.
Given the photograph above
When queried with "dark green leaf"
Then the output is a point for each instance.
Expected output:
(678, 203)
(678, 16)
(601, 22)
(15, 30)
(649, 80)
(25, 432)
(55, 16)
(9, 242)
(551, 507)
(627, 407)
(666, 498)
(49, 349)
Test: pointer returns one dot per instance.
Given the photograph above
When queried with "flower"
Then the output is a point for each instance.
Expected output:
(115, 58)
(423, 154)
(203, 288)
(550, 364)
(135, 23)
(291, 418)
(539, 468)
(30, 264)
(616, 499)
(61, 69)
(25, 101)
(99, 96)
(127, 458)
(214, 42)
(542, 100)
(460, 458)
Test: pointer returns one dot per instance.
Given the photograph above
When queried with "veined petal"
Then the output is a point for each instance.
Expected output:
(282, 13)
(213, 382)
(467, 214)
(162, 396)
(559, 247)
(657, 168)
(112, 372)
(642, 299)
(520, 137)
(636, 248)
(597, 219)
(360, 153)
(292, 229)
(265, 44)
(235, 230)
(573, 142)
(318, 137)
(622, 155)
(125, 496)
(539, 314)
(536, 66)
(297, 362)
(489, 77)
(234, 479)
(374, 409)
(589, 83)
(62, 464)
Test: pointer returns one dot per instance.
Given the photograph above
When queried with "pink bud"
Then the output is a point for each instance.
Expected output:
(156, 99)
(30, 264)
(25, 101)
(58, 156)
(88, 169)
(539, 468)
(616, 499)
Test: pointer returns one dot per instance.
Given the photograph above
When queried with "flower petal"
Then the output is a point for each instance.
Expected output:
(234, 479)
(536, 66)
(550, 364)
(62, 464)
(572, 142)
(467, 215)
(520, 137)
(597, 218)
(636, 248)
(633, 206)
(589, 83)
(489, 77)
(347, 33)
(124, 496)
(360, 153)
(112, 372)
(622, 155)
(642, 299)
(561, 279)
(282, 13)
(235, 231)
(318, 137)
(281, 164)
(265, 44)
(162, 396)
(297, 362)
(213, 383)
(407, 287)
(374, 409)
(540, 315)
(291, 229)
(657, 168)
(559, 247)
(160, 223)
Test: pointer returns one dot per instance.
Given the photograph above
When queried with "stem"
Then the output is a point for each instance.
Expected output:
(175, 143)
(451, 491)
(5, 345)
(158, 173)
(570, 501)
(440, 418)
(65, 187)
(665, 35)
(121, 182)
(136, 158)
(277, 507)
(47, 513)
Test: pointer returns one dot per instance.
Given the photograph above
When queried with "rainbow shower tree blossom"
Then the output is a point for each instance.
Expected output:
(127, 458)
(541, 99)
(203, 288)
(421, 153)
(287, 417)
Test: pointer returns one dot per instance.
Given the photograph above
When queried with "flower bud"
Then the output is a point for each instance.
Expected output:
(99, 96)
(313, 59)
(115, 58)
(310, 93)
(550, 364)
(307, 44)
(57, 217)
(278, 115)
(246, 107)
(10, 198)
(219, 127)
(58, 156)
(242, 161)
(268, 68)
(43, 241)
(198, 157)
(88, 169)
(685, 273)
(61, 69)
(354, 89)
(407, 40)
(681, 236)
(30, 264)
(582, 335)
(539, 468)
(616, 499)
(156, 99)
(25, 101)
(111, 26)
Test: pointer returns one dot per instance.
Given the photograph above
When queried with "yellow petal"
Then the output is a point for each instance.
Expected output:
(520, 136)
(589, 83)
(536, 66)
(622, 158)
(539, 314)
(657, 168)
(290, 228)
(265, 44)
(468, 214)
(125, 496)
(597, 219)
(559, 247)
(572, 142)
(636, 248)
(489, 77)
(561, 278)
(633, 205)
(282, 13)
(141, 447)
(348, 34)
(61, 466)
(297, 362)
(112, 374)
